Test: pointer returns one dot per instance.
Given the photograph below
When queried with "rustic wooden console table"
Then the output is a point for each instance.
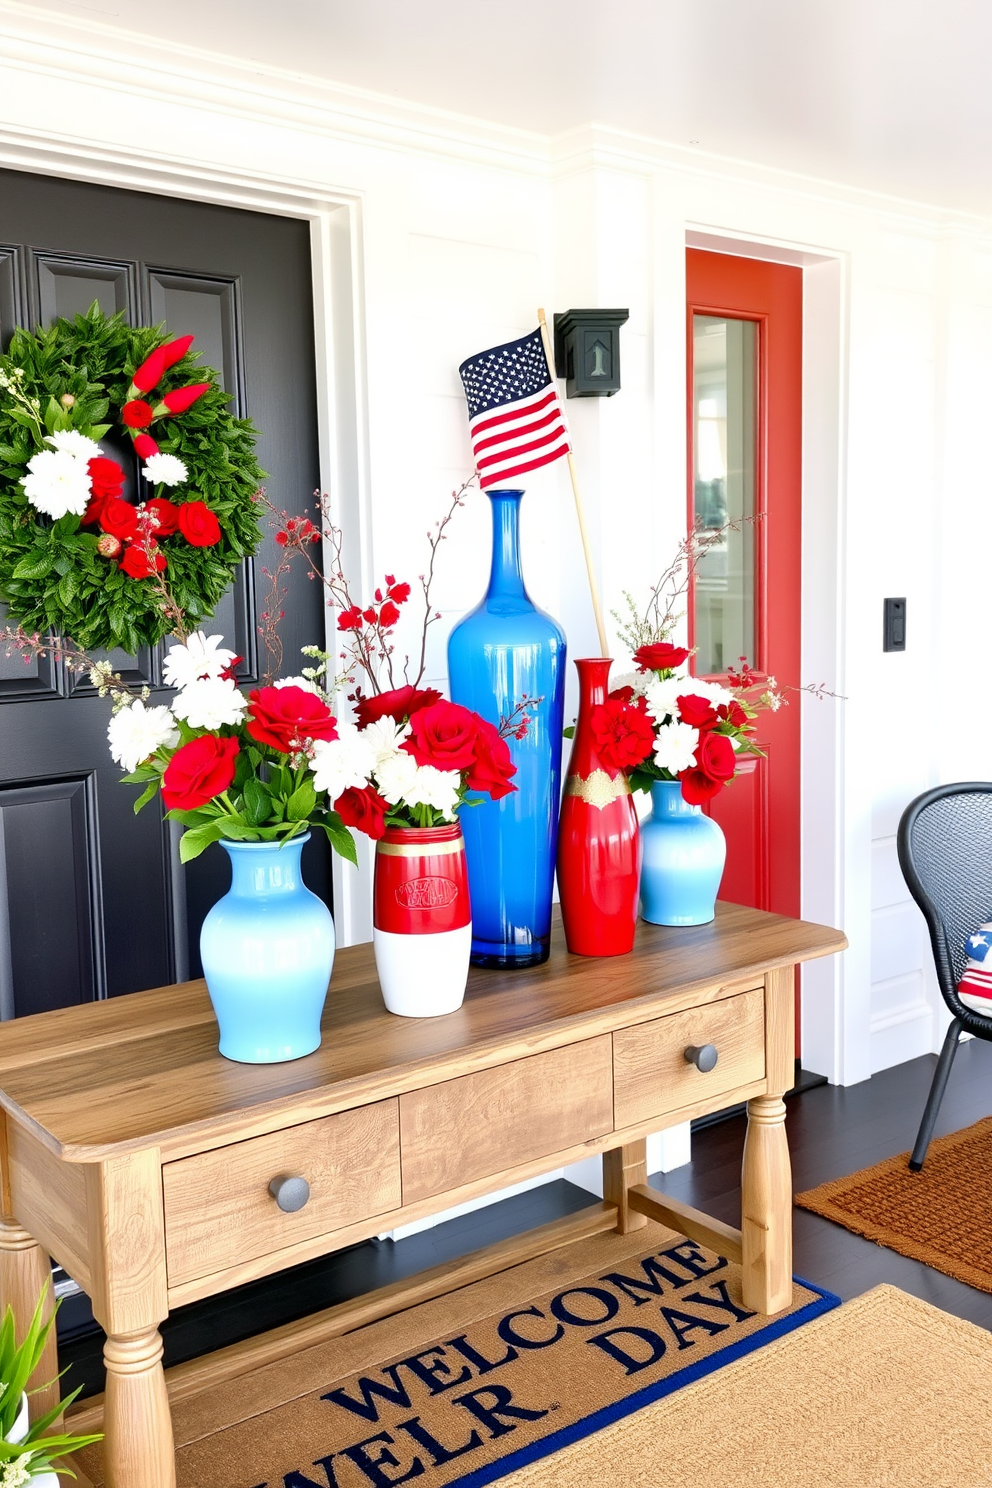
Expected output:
(142, 1161)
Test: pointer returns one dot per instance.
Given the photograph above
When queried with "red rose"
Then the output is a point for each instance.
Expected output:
(181, 399)
(106, 476)
(145, 446)
(166, 515)
(150, 372)
(364, 809)
(137, 414)
(198, 772)
(388, 615)
(630, 697)
(119, 518)
(716, 763)
(443, 735)
(349, 619)
(698, 712)
(734, 714)
(136, 564)
(661, 657)
(93, 511)
(623, 735)
(198, 524)
(398, 704)
(493, 765)
(285, 716)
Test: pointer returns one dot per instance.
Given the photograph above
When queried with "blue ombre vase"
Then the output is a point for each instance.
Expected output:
(267, 950)
(504, 650)
(683, 857)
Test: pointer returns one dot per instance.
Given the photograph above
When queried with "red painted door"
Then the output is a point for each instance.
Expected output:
(745, 465)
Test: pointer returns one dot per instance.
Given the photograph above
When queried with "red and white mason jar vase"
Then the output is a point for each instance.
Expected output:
(422, 920)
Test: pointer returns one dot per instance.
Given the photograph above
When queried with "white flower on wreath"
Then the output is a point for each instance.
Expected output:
(136, 732)
(57, 483)
(341, 764)
(164, 470)
(303, 682)
(210, 703)
(384, 737)
(675, 747)
(71, 442)
(202, 656)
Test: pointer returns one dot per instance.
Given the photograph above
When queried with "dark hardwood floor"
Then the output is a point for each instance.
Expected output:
(832, 1132)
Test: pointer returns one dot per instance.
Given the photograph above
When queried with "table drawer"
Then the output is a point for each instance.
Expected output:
(480, 1124)
(218, 1209)
(651, 1076)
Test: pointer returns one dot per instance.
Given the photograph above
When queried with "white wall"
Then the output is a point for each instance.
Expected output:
(436, 238)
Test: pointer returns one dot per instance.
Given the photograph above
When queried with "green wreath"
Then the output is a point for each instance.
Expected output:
(75, 557)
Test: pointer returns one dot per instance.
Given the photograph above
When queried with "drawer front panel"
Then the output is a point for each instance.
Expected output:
(485, 1123)
(651, 1076)
(218, 1209)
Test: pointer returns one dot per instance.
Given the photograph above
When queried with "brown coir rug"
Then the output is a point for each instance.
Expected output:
(468, 1388)
(941, 1216)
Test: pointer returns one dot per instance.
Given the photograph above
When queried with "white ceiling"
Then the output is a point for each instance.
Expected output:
(893, 95)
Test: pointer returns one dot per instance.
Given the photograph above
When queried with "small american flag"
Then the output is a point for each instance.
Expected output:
(515, 418)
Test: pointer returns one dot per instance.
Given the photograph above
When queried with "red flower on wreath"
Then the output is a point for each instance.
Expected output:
(198, 772)
(106, 476)
(198, 524)
(119, 518)
(181, 399)
(145, 446)
(137, 564)
(623, 736)
(137, 414)
(166, 515)
(284, 717)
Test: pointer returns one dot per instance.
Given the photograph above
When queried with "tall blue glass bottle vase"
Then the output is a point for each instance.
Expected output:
(267, 950)
(683, 853)
(505, 649)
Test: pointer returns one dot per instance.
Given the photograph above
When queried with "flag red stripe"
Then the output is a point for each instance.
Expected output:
(551, 417)
(520, 449)
(516, 470)
(513, 411)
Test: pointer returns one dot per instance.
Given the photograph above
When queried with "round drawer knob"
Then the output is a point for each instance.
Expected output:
(290, 1193)
(704, 1057)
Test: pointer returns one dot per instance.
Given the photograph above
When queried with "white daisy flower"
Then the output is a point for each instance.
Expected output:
(71, 442)
(210, 703)
(341, 764)
(384, 738)
(395, 776)
(202, 656)
(136, 732)
(303, 682)
(675, 747)
(436, 788)
(58, 483)
(164, 470)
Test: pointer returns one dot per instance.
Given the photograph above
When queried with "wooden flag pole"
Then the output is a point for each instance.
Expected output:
(579, 508)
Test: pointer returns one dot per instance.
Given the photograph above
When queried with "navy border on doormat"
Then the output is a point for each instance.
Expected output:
(579, 1430)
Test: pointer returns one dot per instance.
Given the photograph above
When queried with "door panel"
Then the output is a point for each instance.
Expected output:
(93, 903)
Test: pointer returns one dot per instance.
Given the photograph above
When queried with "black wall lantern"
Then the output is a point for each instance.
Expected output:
(587, 351)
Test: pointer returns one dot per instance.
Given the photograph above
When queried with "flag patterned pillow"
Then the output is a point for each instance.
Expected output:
(975, 987)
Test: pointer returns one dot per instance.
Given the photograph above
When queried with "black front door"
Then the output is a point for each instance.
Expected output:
(92, 902)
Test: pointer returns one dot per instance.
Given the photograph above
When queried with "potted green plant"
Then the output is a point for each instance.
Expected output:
(26, 1453)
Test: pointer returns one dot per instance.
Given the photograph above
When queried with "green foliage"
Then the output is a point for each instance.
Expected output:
(18, 1363)
(52, 576)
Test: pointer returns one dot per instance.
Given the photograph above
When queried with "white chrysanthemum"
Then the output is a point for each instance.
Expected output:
(395, 776)
(16, 1473)
(713, 691)
(436, 788)
(637, 681)
(71, 442)
(661, 696)
(675, 747)
(384, 738)
(164, 470)
(210, 703)
(202, 656)
(136, 732)
(303, 682)
(58, 483)
(341, 764)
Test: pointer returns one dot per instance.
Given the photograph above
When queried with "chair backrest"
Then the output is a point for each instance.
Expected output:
(945, 853)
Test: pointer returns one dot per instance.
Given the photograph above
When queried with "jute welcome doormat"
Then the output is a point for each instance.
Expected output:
(941, 1216)
(540, 1367)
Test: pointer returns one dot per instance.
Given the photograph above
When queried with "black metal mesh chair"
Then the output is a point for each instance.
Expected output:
(945, 853)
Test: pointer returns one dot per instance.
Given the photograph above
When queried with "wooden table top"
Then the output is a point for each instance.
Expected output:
(143, 1070)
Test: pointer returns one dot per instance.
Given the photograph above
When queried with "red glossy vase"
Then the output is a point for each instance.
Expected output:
(598, 847)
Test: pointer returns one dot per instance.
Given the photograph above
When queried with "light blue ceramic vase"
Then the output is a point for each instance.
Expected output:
(683, 857)
(267, 950)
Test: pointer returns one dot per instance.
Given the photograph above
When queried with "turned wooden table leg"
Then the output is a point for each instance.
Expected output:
(138, 1449)
(623, 1168)
(766, 1207)
(25, 1273)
